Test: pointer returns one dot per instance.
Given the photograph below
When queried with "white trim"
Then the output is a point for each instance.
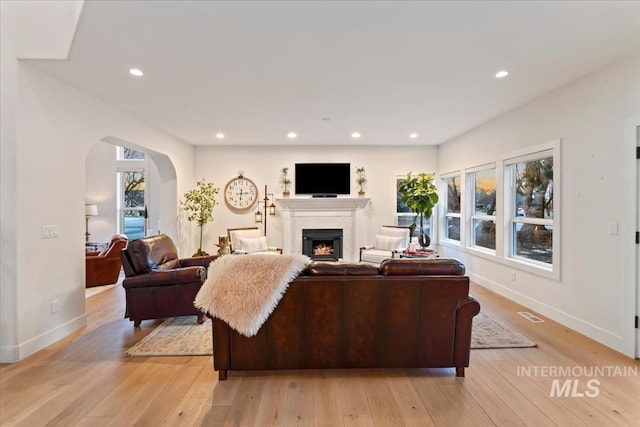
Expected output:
(603, 336)
(631, 343)
(505, 213)
(54, 335)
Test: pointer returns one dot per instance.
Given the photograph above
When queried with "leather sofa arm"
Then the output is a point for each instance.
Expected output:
(465, 313)
(169, 277)
(199, 261)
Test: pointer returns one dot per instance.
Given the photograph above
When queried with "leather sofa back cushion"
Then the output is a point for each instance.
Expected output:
(421, 267)
(323, 268)
(157, 253)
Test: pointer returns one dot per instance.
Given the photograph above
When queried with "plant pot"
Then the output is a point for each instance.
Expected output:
(360, 193)
(285, 194)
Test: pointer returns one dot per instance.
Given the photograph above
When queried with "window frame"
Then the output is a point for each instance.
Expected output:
(445, 215)
(506, 210)
(130, 165)
(552, 270)
(470, 180)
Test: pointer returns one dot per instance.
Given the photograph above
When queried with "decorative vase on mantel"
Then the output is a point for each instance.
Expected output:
(360, 193)
(286, 193)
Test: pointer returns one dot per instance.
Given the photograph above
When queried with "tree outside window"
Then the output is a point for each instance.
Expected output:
(533, 209)
(483, 219)
(452, 213)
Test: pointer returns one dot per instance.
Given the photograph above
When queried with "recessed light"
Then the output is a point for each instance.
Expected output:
(355, 135)
(220, 135)
(413, 135)
(292, 135)
(501, 74)
(136, 72)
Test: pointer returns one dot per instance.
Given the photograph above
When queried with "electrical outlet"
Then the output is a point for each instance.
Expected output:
(55, 306)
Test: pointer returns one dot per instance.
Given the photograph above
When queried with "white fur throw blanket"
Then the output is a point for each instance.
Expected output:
(243, 290)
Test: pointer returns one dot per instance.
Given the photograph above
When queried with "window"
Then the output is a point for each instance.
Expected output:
(125, 153)
(452, 208)
(531, 201)
(482, 186)
(132, 200)
(133, 206)
(405, 217)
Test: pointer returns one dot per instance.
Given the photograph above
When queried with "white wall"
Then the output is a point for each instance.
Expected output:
(47, 131)
(263, 164)
(100, 189)
(589, 116)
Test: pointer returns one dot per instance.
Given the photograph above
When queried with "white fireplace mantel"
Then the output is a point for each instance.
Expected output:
(346, 213)
(323, 203)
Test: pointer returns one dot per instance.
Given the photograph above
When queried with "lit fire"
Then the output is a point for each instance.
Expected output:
(323, 249)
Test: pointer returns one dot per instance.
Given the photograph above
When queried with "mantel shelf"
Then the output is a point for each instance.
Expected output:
(323, 204)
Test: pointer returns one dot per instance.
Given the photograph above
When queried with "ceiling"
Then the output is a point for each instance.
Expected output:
(257, 70)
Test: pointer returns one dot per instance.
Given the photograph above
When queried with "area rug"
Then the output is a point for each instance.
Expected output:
(176, 336)
(489, 333)
(182, 336)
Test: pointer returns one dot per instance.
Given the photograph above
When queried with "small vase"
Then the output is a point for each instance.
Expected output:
(285, 194)
(360, 193)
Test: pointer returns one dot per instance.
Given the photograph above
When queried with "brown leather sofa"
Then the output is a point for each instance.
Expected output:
(158, 284)
(103, 268)
(408, 313)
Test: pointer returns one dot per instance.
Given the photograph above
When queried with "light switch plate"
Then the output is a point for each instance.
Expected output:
(49, 231)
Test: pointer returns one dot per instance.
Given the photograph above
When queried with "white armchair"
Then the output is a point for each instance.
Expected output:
(250, 240)
(391, 240)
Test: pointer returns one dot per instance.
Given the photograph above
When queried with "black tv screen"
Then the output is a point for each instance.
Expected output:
(323, 179)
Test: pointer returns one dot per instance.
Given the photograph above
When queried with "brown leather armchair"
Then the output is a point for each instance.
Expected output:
(158, 284)
(103, 268)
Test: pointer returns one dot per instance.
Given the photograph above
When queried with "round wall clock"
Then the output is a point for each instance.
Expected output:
(240, 193)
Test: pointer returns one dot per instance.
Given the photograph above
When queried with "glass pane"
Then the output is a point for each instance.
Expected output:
(453, 194)
(134, 223)
(485, 192)
(453, 228)
(129, 154)
(407, 220)
(133, 189)
(484, 233)
(533, 242)
(400, 205)
(534, 188)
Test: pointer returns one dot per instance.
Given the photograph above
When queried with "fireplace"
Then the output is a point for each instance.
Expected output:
(322, 244)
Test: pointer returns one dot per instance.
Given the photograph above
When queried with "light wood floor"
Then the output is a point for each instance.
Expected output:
(85, 380)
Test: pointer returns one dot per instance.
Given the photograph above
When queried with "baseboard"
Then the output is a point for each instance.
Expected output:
(29, 347)
(616, 342)
(9, 354)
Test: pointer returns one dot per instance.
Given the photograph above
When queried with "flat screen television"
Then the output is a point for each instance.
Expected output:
(323, 179)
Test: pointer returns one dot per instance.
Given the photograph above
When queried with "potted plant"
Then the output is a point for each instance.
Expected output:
(285, 181)
(420, 195)
(360, 180)
(199, 203)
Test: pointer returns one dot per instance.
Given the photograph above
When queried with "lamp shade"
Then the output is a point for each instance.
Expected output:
(90, 210)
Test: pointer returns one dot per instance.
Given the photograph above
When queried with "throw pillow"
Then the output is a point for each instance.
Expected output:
(256, 244)
(388, 243)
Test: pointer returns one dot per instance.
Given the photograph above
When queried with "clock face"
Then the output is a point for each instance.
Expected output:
(240, 193)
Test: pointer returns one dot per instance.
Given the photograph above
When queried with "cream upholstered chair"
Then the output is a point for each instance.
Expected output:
(250, 240)
(391, 240)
